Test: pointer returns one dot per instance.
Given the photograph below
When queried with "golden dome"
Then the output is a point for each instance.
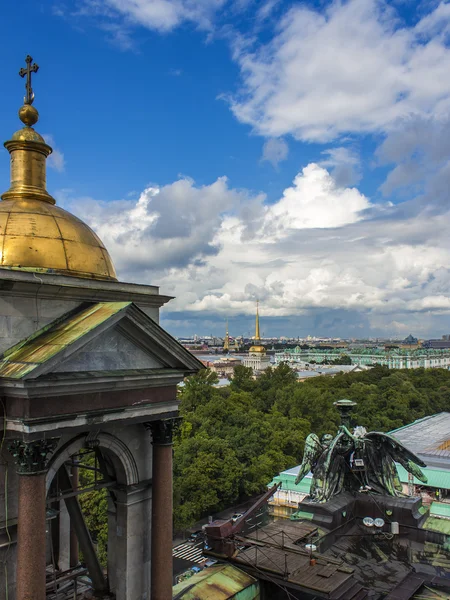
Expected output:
(257, 350)
(38, 236)
(35, 235)
(28, 134)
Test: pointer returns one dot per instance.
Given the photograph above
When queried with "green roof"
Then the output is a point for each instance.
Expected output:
(436, 478)
(21, 359)
(287, 483)
(439, 509)
(437, 524)
(218, 583)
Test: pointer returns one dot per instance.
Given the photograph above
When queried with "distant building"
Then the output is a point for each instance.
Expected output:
(436, 344)
(223, 367)
(394, 358)
(410, 340)
(226, 342)
(257, 358)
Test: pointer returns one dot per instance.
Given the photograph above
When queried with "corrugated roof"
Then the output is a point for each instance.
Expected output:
(215, 583)
(287, 479)
(436, 478)
(427, 436)
(24, 357)
(440, 509)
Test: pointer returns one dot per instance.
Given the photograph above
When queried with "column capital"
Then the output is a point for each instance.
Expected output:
(162, 430)
(32, 458)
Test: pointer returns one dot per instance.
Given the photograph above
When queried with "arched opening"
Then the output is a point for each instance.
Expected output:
(84, 522)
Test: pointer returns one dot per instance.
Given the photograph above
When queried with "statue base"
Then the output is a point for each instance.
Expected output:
(345, 507)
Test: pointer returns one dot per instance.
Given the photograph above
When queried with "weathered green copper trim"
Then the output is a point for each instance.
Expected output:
(32, 458)
(24, 357)
(220, 582)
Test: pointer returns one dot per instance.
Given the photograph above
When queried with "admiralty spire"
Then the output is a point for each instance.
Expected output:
(257, 358)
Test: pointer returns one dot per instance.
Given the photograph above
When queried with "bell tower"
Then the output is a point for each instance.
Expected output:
(88, 393)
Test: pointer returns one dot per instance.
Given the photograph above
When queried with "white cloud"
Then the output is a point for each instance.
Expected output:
(275, 151)
(345, 163)
(316, 201)
(56, 159)
(349, 68)
(168, 227)
(159, 15)
(319, 247)
(266, 9)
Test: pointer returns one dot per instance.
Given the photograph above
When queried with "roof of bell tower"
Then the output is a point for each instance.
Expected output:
(36, 235)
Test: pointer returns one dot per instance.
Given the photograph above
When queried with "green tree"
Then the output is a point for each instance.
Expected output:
(243, 379)
(95, 509)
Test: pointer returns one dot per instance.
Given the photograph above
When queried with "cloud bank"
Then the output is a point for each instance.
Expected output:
(321, 246)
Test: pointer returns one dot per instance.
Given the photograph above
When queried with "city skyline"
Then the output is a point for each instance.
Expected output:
(294, 152)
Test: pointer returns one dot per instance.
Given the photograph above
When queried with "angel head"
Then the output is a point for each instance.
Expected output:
(359, 431)
(326, 440)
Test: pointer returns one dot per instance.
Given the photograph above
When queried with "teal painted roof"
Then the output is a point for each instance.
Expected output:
(436, 478)
(287, 480)
(439, 509)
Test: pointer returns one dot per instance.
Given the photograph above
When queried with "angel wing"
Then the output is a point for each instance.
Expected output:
(313, 449)
(399, 453)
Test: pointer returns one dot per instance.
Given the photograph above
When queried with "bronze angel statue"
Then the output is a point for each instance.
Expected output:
(356, 462)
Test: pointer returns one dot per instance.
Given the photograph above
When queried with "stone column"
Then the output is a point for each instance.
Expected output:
(73, 543)
(162, 509)
(130, 561)
(31, 459)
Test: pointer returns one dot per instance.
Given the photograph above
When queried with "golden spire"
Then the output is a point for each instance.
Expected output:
(36, 235)
(257, 348)
(257, 335)
(226, 344)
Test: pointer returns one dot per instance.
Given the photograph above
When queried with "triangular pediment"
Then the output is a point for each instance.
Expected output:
(108, 337)
(110, 351)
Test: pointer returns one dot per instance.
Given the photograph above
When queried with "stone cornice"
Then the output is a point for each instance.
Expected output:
(80, 423)
(43, 285)
(63, 384)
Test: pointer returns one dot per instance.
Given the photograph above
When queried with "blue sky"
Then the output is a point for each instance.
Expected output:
(229, 150)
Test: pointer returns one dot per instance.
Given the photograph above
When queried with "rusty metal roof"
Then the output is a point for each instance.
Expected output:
(21, 359)
(218, 583)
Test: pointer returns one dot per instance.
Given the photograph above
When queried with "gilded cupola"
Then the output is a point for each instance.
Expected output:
(36, 235)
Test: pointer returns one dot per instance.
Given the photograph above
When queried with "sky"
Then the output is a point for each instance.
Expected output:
(297, 153)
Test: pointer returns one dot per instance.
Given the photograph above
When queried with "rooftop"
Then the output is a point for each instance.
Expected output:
(429, 438)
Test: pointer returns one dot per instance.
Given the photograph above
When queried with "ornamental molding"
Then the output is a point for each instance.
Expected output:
(32, 458)
(162, 430)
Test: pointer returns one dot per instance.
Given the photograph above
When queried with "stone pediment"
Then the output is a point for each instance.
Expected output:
(110, 351)
(106, 338)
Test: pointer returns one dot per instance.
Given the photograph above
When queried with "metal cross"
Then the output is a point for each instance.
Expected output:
(29, 69)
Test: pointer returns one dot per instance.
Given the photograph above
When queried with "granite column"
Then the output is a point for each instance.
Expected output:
(31, 459)
(162, 509)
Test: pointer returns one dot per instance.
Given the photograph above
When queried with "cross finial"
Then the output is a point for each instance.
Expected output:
(27, 72)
